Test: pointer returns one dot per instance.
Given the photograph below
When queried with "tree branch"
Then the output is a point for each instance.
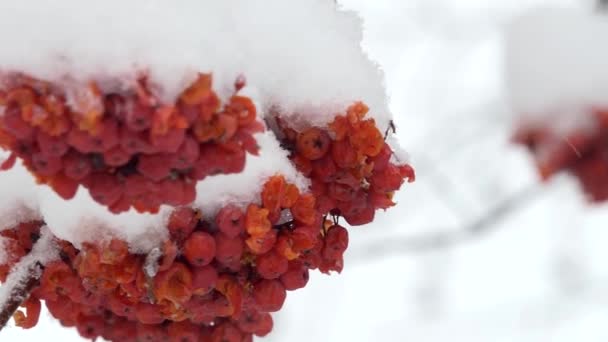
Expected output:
(20, 293)
(25, 275)
(449, 238)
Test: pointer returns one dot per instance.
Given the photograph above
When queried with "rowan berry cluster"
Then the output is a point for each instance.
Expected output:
(125, 146)
(582, 153)
(219, 276)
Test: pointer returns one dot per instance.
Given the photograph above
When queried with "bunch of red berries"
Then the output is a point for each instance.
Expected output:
(215, 279)
(126, 147)
(582, 153)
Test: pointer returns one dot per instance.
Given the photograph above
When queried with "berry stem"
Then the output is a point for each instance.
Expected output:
(390, 129)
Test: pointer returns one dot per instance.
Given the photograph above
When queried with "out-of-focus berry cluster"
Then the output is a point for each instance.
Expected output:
(125, 146)
(582, 152)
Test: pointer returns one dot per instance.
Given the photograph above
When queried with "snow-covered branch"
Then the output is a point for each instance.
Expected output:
(25, 276)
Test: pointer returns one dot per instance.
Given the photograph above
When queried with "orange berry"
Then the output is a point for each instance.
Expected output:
(204, 280)
(182, 222)
(304, 209)
(64, 186)
(291, 196)
(228, 250)
(183, 331)
(147, 313)
(242, 108)
(367, 139)
(174, 284)
(199, 249)
(296, 276)
(356, 112)
(340, 127)
(260, 244)
(256, 220)
(313, 143)
(230, 221)
(273, 193)
(271, 265)
(198, 91)
(269, 295)
(114, 253)
(232, 291)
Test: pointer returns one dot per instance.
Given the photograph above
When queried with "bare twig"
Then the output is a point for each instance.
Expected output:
(449, 238)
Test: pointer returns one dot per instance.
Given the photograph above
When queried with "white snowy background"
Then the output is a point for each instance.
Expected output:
(535, 269)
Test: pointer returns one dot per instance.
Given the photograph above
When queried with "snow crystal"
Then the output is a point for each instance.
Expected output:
(43, 251)
(556, 65)
(304, 56)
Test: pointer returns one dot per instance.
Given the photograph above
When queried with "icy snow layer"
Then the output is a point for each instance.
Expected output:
(303, 55)
(82, 219)
(556, 65)
(243, 188)
(78, 220)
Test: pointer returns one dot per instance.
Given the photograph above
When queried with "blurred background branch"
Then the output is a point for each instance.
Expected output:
(446, 238)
